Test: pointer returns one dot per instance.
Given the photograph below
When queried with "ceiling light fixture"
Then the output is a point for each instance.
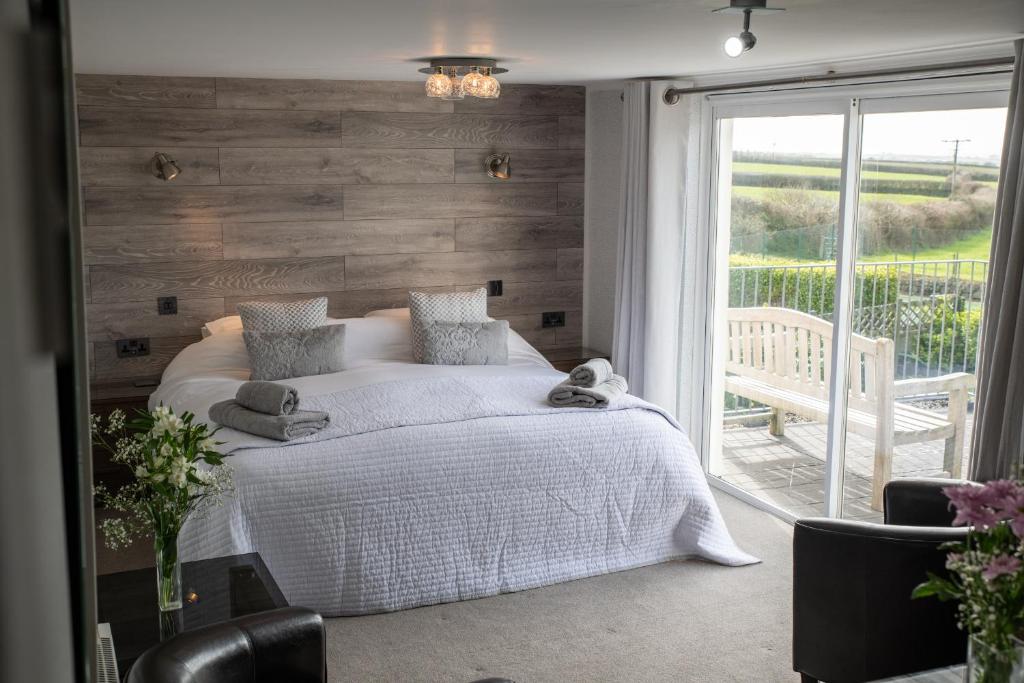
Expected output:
(452, 78)
(737, 45)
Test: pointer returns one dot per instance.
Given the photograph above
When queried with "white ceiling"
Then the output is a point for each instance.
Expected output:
(541, 41)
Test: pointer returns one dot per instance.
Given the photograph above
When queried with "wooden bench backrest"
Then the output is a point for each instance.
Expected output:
(793, 351)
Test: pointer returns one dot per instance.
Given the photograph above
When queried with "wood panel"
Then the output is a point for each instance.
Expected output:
(337, 238)
(453, 268)
(370, 96)
(162, 351)
(124, 320)
(448, 131)
(572, 132)
(449, 201)
(334, 166)
(125, 206)
(570, 264)
(142, 243)
(519, 298)
(530, 99)
(493, 233)
(528, 166)
(116, 127)
(131, 166)
(206, 279)
(144, 91)
(356, 190)
(570, 199)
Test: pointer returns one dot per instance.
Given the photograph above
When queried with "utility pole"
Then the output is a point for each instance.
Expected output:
(956, 158)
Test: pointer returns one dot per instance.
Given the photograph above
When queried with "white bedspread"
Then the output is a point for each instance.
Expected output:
(438, 483)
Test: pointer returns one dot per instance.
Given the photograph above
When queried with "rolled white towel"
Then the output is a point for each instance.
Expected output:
(566, 395)
(595, 371)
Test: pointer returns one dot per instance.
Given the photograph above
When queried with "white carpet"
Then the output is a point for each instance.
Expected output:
(678, 621)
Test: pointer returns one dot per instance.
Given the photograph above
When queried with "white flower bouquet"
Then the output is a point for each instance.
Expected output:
(178, 472)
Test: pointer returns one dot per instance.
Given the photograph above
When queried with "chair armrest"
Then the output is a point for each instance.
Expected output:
(934, 385)
(853, 617)
(918, 502)
(286, 644)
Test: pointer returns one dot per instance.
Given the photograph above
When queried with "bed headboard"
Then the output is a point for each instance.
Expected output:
(356, 190)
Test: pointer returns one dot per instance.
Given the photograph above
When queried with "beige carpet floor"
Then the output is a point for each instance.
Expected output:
(678, 621)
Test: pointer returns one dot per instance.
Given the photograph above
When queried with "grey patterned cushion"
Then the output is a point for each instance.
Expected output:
(283, 316)
(466, 343)
(282, 355)
(456, 307)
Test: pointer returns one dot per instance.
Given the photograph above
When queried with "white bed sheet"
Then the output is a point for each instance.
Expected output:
(457, 501)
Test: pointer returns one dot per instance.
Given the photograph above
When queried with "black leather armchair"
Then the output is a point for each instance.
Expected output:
(853, 617)
(285, 644)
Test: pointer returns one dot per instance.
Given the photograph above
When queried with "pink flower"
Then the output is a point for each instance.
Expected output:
(1000, 565)
(1004, 495)
(971, 504)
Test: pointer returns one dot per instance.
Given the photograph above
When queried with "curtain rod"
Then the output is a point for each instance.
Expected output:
(672, 94)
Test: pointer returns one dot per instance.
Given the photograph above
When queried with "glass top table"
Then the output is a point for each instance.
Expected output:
(212, 591)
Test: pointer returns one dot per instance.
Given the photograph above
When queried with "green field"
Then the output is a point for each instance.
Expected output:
(826, 171)
(763, 192)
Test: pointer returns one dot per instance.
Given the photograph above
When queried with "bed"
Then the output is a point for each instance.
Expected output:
(442, 483)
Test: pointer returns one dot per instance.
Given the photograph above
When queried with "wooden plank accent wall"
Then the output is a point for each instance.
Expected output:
(354, 190)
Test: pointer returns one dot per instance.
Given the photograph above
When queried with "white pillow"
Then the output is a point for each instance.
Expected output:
(230, 323)
(389, 313)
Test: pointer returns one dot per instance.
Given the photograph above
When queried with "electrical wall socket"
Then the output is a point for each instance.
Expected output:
(132, 348)
(552, 319)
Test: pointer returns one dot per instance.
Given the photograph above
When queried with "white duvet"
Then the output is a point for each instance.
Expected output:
(440, 483)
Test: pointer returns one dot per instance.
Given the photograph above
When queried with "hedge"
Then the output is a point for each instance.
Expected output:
(807, 289)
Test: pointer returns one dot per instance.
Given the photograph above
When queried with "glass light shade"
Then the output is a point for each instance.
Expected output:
(734, 46)
(455, 91)
(471, 82)
(438, 85)
(489, 88)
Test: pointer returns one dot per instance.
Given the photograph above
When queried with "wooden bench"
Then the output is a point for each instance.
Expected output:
(782, 358)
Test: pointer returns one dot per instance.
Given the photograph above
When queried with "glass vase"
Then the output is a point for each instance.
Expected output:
(988, 664)
(168, 573)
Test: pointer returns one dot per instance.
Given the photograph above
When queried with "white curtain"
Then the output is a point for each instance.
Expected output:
(662, 267)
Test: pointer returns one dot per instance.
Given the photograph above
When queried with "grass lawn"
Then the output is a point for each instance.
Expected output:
(763, 192)
(975, 246)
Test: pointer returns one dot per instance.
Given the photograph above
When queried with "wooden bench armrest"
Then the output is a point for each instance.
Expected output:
(934, 385)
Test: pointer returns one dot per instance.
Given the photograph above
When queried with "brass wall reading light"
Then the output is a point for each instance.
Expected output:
(499, 166)
(164, 167)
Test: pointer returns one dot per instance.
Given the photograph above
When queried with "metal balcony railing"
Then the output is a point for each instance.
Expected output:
(930, 309)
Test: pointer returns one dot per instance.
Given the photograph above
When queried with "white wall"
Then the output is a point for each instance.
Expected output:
(601, 215)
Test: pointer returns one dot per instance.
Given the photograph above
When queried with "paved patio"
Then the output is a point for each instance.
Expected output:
(789, 471)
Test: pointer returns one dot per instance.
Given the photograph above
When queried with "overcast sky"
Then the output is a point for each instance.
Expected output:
(910, 135)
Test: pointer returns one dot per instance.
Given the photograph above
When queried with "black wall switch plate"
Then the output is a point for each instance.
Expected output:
(494, 288)
(132, 348)
(167, 305)
(552, 319)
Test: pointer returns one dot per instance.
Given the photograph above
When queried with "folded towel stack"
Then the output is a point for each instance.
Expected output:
(268, 397)
(591, 385)
(268, 409)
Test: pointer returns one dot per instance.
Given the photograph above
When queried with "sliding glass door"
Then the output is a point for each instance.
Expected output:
(853, 234)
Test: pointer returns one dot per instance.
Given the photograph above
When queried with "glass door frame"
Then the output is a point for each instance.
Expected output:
(852, 102)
